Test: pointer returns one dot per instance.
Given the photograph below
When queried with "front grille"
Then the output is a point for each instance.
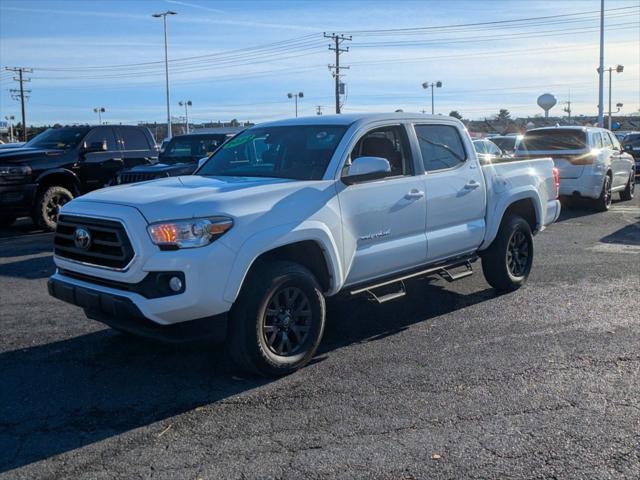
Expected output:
(110, 246)
(131, 177)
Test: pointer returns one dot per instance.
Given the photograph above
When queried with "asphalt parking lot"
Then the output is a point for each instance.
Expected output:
(452, 381)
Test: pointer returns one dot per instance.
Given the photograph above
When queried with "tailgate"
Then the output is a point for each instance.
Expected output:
(570, 163)
(568, 169)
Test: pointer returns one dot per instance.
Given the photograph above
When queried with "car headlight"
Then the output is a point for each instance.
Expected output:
(196, 232)
(12, 170)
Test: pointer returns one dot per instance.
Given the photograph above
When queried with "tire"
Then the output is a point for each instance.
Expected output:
(270, 344)
(507, 262)
(630, 190)
(7, 220)
(603, 203)
(48, 205)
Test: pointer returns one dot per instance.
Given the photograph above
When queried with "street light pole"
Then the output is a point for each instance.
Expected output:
(433, 86)
(296, 96)
(618, 69)
(10, 118)
(601, 69)
(99, 111)
(186, 103)
(166, 64)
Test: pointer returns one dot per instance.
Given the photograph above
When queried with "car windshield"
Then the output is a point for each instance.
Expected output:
(632, 139)
(505, 143)
(59, 138)
(191, 148)
(300, 152)
(553, 140)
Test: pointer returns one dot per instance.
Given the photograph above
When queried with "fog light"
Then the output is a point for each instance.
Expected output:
(175, 284)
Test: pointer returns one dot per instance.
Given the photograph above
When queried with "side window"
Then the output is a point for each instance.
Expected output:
(441, 147)
(390, 143)
(493, 149)
(478, 145)
(101, 135)
(597, 140)
(606, 141)
(614, 141)
(134, 139)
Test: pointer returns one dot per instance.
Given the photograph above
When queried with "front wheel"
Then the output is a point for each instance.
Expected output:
(630, 190)
(48, 205)
(507, 262)
(278, 320)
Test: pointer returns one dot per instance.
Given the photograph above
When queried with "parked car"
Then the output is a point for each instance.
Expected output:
(591, 162)
(181, 156)
(507, 143)
(486, 150)
(631, 145)
(290, 212)
(62, 163)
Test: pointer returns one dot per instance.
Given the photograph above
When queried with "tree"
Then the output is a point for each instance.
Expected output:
(455, 114)
(503, 114)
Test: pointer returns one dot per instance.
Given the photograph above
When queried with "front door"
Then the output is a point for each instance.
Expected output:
(384, 220)
(97, 169)
(455, 187)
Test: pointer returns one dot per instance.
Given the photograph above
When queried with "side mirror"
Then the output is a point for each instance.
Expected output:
(366, 168)
(95, 147)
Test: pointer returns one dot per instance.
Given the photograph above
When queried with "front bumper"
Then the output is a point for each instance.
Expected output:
(17, 199)
(121, 313)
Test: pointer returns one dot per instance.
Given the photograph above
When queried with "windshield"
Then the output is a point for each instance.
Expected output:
(59, 138)
(505, 143)
(296, 152)
(632, 139)
(192, 148)
(553, 140)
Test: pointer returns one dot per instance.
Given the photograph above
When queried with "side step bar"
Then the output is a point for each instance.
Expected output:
(442, 270)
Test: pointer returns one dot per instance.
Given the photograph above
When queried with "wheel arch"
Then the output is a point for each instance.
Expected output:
(59, 177)
(310, 245)
(525, 203)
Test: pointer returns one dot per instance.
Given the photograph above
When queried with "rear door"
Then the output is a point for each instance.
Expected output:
(455, 189)
(620, 166)
(136, 147)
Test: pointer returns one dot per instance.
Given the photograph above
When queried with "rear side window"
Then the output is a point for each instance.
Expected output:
(606, 140)
(597, 140)
(554, 140)
(441, 147)
(614, 140)
(134, 139)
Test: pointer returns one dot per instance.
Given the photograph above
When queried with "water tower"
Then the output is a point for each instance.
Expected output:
(546, 101)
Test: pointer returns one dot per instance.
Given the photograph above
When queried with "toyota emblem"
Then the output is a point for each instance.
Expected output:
(82, 238)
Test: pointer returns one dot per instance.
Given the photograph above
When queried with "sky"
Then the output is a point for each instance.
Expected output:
(239, 59)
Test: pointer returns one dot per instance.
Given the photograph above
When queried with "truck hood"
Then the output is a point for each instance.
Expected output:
(196, 196)
(24, 154)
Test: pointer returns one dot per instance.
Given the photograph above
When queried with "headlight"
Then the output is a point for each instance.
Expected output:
(196, 232)
(17, 171)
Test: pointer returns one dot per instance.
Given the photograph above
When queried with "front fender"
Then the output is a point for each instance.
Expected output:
(279, 236)
(495, 212)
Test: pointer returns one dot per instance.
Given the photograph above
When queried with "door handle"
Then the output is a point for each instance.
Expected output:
(472, 184)
(414, 193)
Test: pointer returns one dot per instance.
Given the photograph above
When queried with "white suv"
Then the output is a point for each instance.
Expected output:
(590, 160)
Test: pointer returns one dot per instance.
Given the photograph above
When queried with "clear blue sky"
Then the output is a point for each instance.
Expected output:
(483, 68)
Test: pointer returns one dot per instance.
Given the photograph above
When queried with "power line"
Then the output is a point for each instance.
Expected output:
(338, 39)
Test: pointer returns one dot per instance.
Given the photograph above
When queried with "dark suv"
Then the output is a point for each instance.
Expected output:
(62, 163)
(631, 145)
(180, 156)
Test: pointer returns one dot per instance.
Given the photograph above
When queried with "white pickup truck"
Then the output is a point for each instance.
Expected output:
(290, 212)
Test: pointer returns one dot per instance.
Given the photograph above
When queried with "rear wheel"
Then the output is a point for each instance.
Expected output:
(48, 205)
(603, 203)
(630, 190)
(507, 262)
(278, 320)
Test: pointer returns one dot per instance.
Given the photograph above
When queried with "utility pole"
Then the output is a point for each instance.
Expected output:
(601, 69)
(567, 109)
(318, 109)
(20, 94)
(337, 40)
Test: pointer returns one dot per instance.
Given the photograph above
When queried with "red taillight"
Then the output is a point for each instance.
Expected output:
(556, 179)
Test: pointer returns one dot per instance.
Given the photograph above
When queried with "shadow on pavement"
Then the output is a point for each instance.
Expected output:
(61, 396)
(30, 268)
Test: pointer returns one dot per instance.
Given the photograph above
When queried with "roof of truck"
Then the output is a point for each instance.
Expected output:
(350, 118)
